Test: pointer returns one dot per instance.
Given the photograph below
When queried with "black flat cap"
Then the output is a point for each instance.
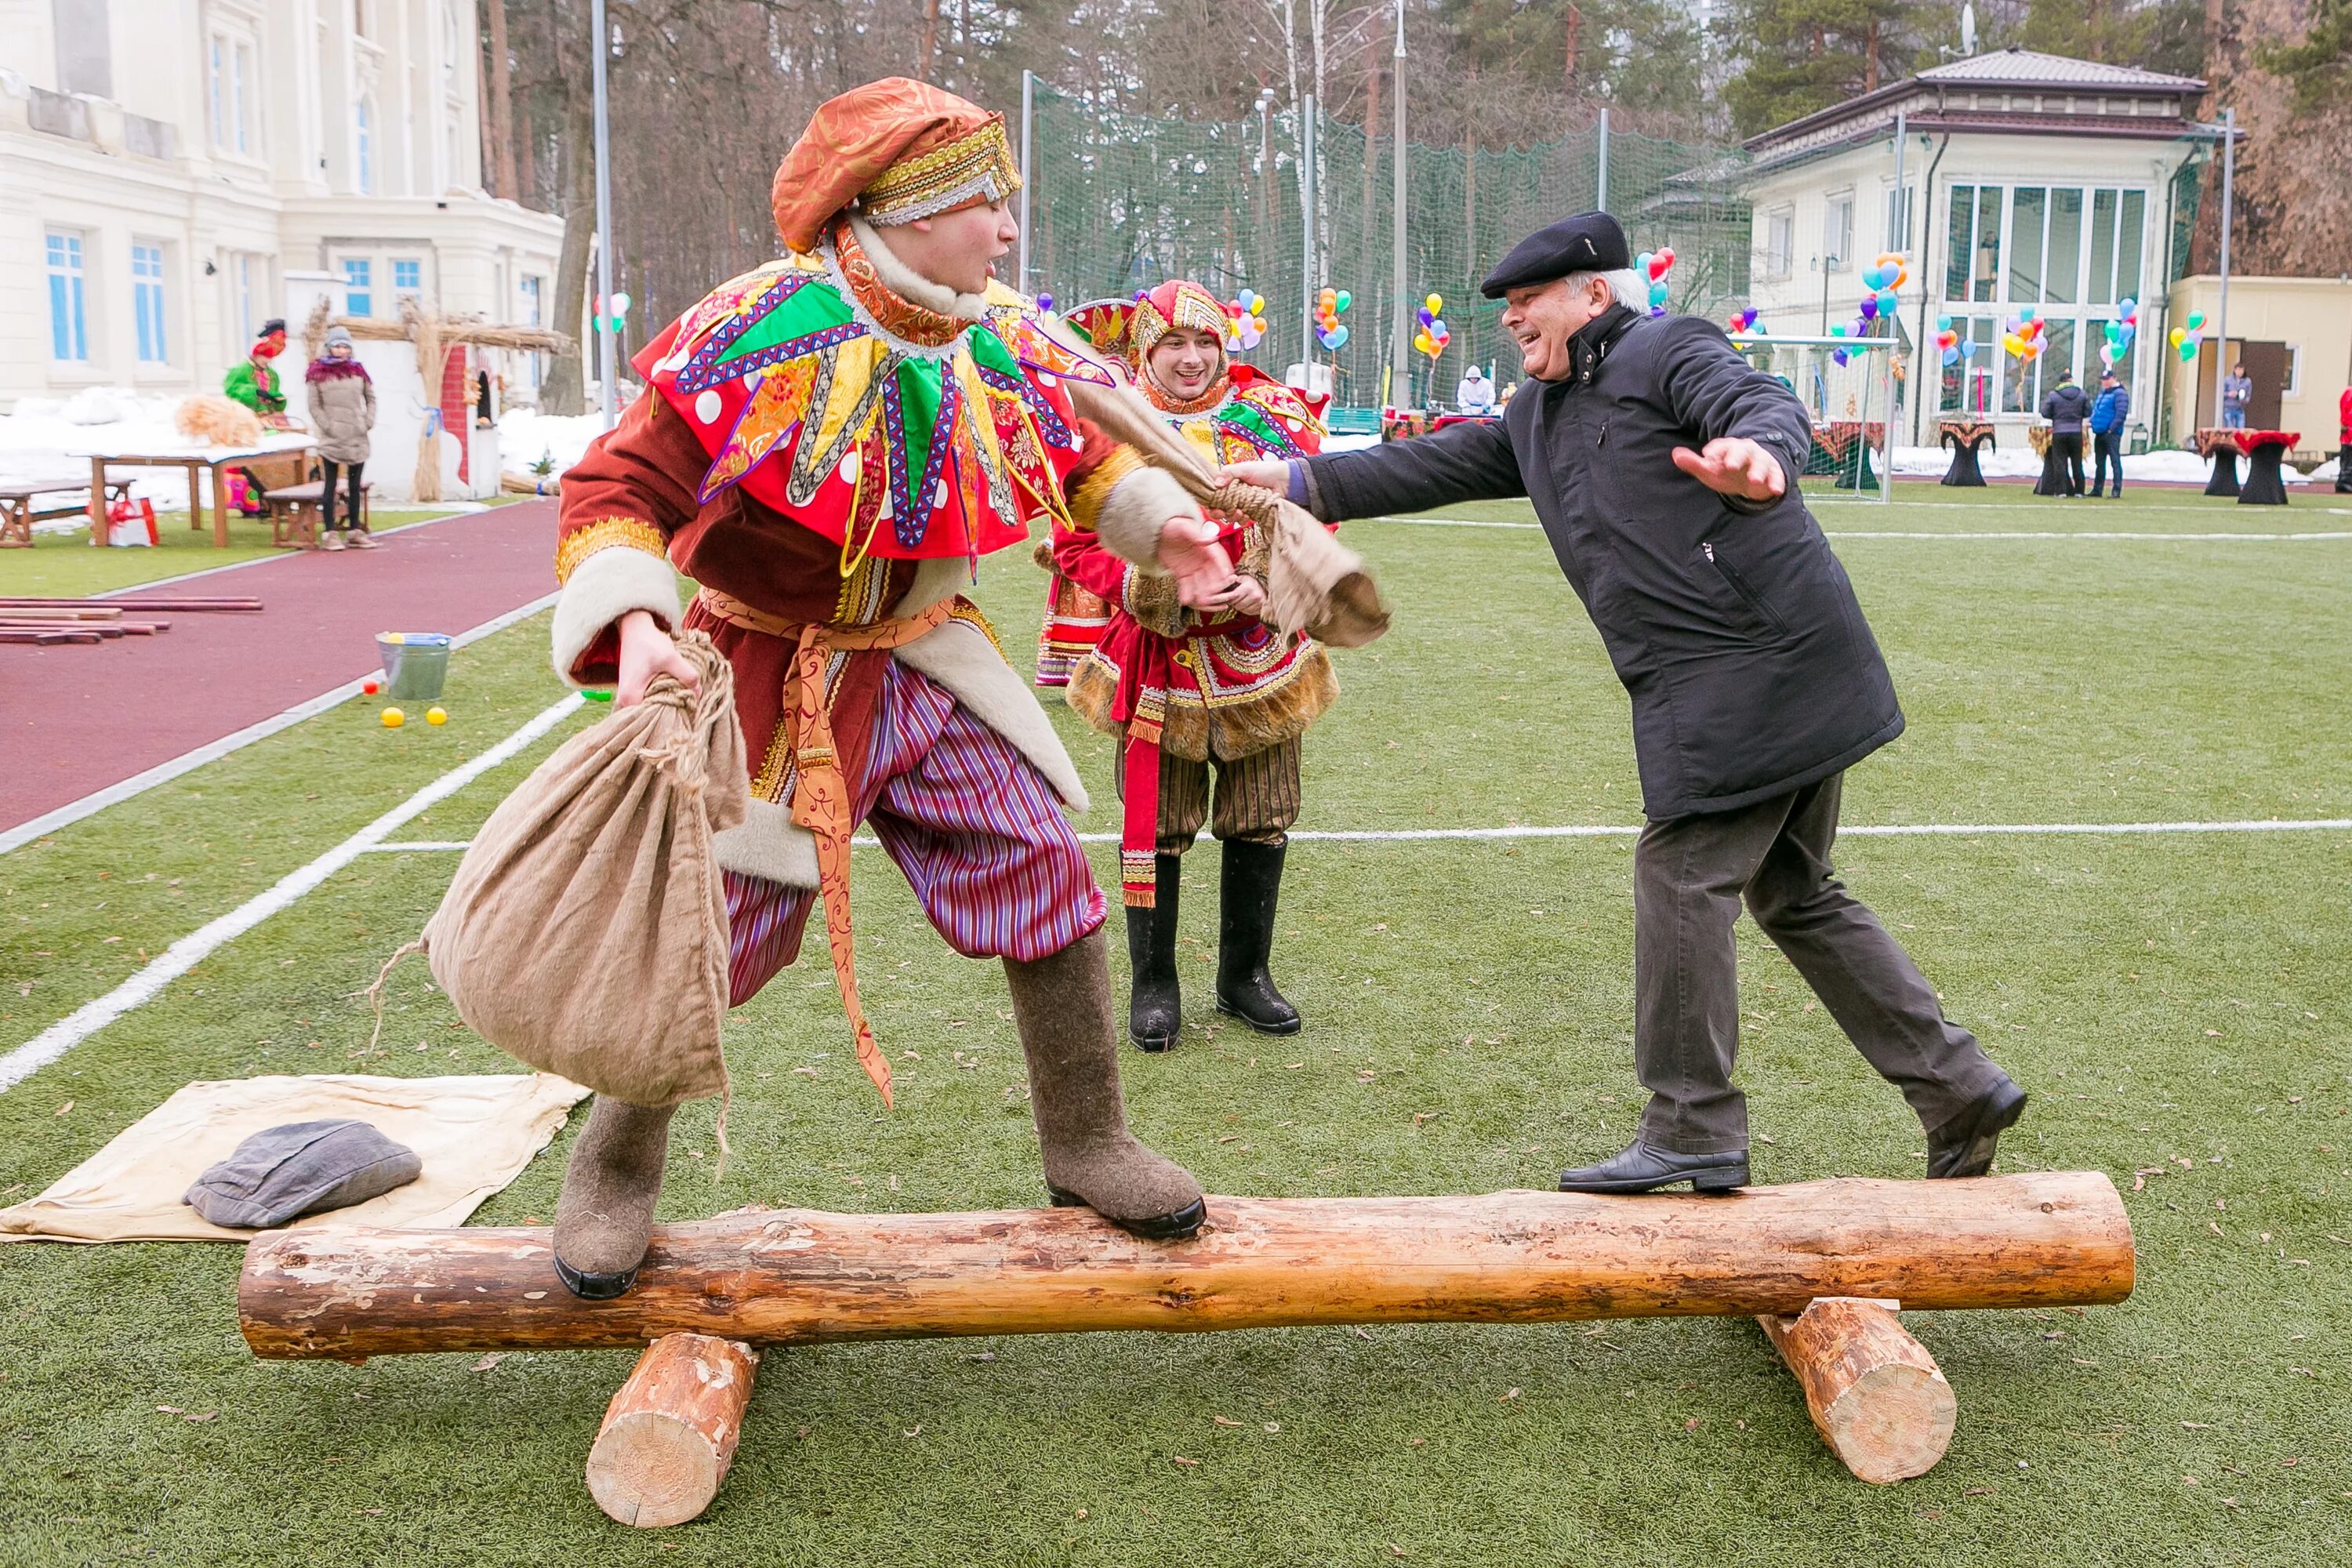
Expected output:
(1588, 242)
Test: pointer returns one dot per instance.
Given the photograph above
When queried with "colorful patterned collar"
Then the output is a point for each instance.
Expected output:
(905, 325)
(1170, 404)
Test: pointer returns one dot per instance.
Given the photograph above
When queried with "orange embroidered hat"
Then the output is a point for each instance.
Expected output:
(895, 151)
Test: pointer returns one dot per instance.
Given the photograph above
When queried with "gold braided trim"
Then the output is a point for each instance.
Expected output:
(978, 163)
(1086, 500)
(965, 610)
(604, 533)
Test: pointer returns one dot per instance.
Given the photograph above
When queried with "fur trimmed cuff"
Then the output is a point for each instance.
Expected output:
(600, 589)
(1136, 509)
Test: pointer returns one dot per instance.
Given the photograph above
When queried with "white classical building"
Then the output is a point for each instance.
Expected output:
(164, 164)
(2028, 182)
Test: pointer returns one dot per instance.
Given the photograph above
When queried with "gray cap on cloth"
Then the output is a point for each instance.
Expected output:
(281, 1174)
(339, 335)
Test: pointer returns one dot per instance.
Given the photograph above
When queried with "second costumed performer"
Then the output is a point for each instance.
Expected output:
(1188, 690)
(827, 445)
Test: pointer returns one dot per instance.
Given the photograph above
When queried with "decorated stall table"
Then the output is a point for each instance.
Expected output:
(2053, 481)
(2263, 450)
(2222, 447)
(1841, 446)
(1966, 437)
(199, 460)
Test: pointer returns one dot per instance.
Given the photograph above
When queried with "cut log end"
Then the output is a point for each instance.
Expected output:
(1877, 1397)
(670, 1432)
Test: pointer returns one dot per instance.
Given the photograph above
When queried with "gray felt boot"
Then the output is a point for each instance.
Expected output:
(1062, 1006)
(605, 1217)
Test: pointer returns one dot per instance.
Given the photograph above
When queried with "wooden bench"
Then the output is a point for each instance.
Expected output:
(18, 512)
(294, 513)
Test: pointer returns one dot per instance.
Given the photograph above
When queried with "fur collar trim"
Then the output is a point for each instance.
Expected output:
(324, 369)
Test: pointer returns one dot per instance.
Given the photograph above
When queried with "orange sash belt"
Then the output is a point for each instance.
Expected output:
(821, 800)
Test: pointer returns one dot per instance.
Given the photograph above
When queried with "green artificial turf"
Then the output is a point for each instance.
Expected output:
(2177, 1003)
(67, 565)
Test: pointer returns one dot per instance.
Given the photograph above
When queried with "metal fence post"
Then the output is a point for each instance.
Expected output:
(1028, 175)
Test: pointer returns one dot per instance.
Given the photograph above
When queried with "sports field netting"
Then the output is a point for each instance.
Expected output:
(1119, 203)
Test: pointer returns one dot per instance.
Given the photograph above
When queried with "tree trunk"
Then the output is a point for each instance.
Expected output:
(929, 48)
(1870, 56)
(501, 98)
(670, 1432)
(1575, 26)
(1877, 1397)
(565, 391)
(791, 1276)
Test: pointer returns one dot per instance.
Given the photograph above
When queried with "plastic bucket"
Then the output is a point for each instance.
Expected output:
(414, 664)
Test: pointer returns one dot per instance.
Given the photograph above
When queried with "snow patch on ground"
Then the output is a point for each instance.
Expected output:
(526, 435)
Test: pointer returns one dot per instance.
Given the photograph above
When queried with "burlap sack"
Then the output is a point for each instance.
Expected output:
(586, 931)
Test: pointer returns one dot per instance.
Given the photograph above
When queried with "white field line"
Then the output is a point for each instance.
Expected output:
(212, 751)
(1930, 534)
(1610, 830)
(192, 949)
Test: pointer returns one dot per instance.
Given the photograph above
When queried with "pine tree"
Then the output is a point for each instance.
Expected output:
(1799, 56)
(2320, 67)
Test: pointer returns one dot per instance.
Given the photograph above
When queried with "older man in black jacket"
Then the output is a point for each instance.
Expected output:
(1659, 464)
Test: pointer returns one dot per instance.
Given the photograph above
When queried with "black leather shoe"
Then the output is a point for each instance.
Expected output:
(1642, 1169)
(1155, 1005)
(1964, 1145)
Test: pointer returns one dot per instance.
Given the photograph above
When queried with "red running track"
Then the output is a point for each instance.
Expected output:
(79, 718)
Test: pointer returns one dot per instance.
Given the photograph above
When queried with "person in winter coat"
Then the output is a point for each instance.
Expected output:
(342, 412)
(1663, 470)
(255, 381)
(2067, 408)
(2108, 412)
(2343, 442)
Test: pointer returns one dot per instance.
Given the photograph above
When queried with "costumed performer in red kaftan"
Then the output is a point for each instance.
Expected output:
(1191, 690)
(827, 445)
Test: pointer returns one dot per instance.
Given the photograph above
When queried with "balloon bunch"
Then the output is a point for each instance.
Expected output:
(2024, 337)
(617, 319)
(1653, 265)
(2185, 340)
(2120, 334)
(1742, 323)
(1328, 305)
(1950, 347)
(1434, 334)
(1247, 325)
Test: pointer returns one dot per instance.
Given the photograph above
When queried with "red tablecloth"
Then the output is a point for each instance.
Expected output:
(2250, 439)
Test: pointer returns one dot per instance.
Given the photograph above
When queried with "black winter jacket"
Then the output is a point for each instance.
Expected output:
(2066, 407)
(1732, 627)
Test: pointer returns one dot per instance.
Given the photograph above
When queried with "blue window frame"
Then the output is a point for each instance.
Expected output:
(407, 276)
(147, 303)
(69, 321)
(366, 148)
(359, 288)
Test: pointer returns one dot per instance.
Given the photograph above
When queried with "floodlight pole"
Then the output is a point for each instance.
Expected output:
(1886, 469)
(2229, 168)
(1028, 179)
(1400, 342)
(1308, 133)
(601, 314)
(1601, 164)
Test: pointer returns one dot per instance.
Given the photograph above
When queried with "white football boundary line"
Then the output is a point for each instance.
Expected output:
(213, 751)
(1612, 830)
(192, 949)
(2105, 534)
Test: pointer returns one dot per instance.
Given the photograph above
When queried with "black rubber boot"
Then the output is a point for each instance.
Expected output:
(606, 1215)
(1155, 1002)
(1251, 882)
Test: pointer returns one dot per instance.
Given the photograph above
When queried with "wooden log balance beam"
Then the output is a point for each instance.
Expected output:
(798, 1276)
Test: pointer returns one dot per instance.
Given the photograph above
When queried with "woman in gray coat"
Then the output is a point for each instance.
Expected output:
(342, 412)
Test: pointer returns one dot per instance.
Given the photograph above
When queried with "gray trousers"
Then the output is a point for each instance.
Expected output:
(1690, 877)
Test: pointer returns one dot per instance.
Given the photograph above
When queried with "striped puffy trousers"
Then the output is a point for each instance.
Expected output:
(1255, 798)
(974, 826)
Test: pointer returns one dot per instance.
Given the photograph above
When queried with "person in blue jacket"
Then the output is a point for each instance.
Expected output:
(2108, 412)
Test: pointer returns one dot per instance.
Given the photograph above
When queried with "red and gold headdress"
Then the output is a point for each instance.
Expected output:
(894, 150)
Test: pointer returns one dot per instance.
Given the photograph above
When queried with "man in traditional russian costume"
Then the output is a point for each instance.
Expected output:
(827, 445)
(1208, 700)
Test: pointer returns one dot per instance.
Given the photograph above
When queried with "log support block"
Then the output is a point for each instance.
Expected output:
(1878, 1397)
(670, 1432)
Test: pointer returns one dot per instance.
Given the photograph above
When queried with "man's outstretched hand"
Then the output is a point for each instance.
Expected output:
(1267, 474)
(1203, 572)
(1730, 466)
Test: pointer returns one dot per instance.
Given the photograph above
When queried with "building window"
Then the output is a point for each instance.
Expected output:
(408, 277)
(1898, 219)
(1837, 233)
(533, 296)
(1780, 242)
(363, 147)
(230, 88)
(147, 302)
(84, 47)
(249, 276)
(1972, 261)
(69, 321)
(359, 288)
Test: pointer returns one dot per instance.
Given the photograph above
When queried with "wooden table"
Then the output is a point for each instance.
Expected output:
(18, 512)
(211, 459)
